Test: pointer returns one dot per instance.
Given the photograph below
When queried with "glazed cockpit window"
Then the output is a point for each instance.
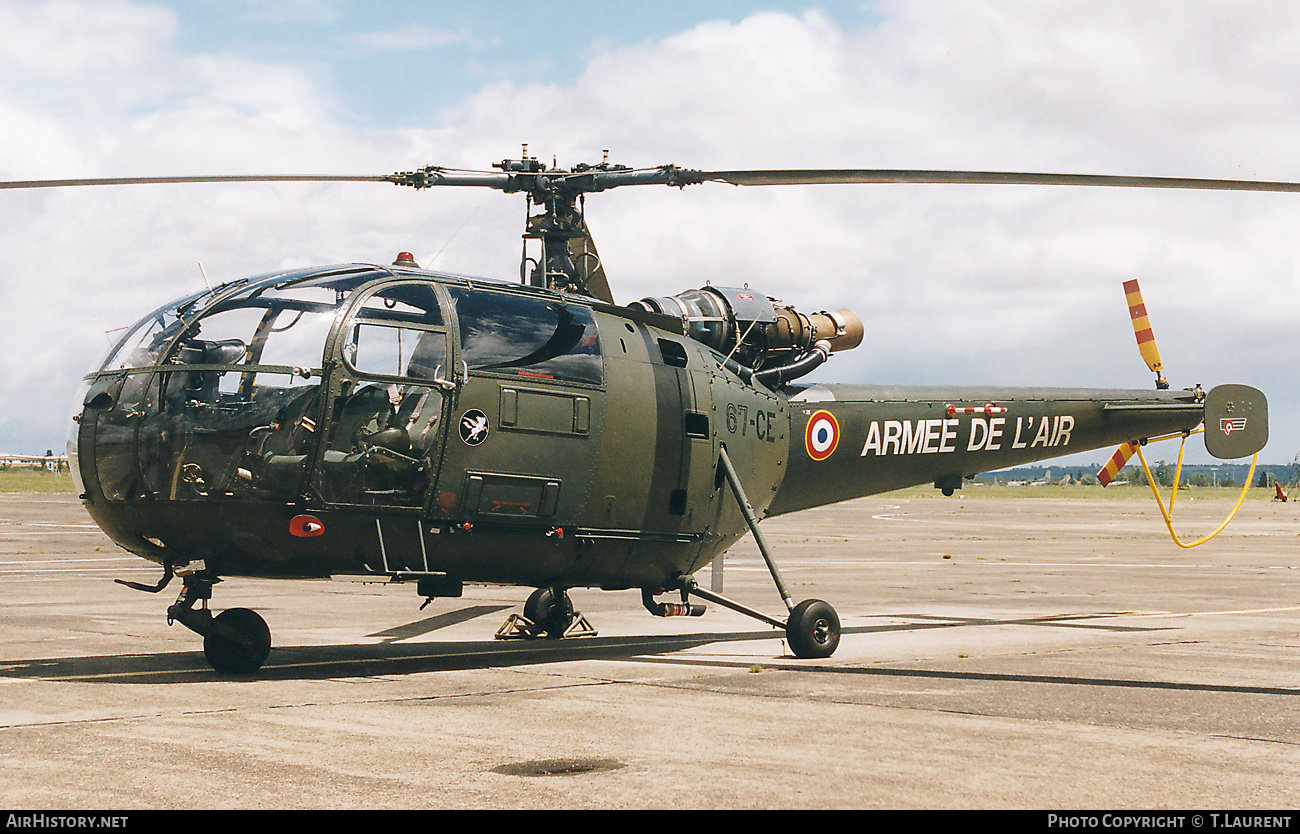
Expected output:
(381, 350)
(278, 325)
(531, 337)
(398, 331)
(148, 337)
(415, 304)
(280, 320)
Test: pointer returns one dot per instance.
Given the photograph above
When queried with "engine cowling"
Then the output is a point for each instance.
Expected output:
(751, 328)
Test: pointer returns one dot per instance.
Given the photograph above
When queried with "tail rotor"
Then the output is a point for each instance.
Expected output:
(1146, 340)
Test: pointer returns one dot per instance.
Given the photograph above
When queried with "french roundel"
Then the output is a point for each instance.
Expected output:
(821, 436)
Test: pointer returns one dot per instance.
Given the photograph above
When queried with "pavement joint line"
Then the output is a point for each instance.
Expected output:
(306, 704)
(1160, 614)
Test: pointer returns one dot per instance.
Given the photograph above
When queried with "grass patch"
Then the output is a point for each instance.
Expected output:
(35, 480)
(1122, 492)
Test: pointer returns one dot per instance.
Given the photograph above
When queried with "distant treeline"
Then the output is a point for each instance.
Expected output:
(1194, 474)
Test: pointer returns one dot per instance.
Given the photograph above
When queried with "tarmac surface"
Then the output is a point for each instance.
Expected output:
(997, 653)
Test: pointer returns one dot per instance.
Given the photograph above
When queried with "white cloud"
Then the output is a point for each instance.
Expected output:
(412, 37)
(66, 39)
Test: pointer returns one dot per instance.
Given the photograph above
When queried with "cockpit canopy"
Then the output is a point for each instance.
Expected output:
(284, 323)
(281, 320)
(237, 390)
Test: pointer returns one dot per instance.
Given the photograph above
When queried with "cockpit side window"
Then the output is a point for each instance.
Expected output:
(403, 303)
(383, 350)
(142, 343)
(398, 331)
(530, 337)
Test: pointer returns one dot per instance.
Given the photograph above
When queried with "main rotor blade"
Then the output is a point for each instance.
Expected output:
(587, 181)
(830, 176)
(210, 179)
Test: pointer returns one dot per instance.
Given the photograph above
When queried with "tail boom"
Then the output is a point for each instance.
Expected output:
(848, 441)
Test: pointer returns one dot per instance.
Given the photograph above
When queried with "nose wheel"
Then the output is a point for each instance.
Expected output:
(235, 642)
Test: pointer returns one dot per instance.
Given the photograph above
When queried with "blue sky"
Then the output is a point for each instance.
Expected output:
(958, 285)
(400, 63)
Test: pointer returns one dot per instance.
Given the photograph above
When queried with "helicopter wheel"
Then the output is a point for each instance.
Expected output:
(238, 658)
(813, 629)
(550, 610)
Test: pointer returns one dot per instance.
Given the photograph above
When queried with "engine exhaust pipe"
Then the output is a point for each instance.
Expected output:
(669, 609)
(806, 364)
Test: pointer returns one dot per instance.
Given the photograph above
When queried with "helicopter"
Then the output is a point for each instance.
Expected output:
(414, 426)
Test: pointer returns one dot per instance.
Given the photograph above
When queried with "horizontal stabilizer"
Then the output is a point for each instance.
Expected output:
(1236, 421)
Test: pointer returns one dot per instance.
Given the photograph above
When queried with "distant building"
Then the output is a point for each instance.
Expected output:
(49, 460)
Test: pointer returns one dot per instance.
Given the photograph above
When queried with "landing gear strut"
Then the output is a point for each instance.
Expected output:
(235, 642)
(813, 627)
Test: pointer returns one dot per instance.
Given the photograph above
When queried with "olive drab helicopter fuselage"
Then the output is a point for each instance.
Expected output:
(400, 423)
(362, 419)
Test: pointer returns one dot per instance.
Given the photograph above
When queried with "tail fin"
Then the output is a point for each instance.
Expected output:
(1236, 421)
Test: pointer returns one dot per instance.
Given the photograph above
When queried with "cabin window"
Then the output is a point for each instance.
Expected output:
(403, 303)
(674, 355)
(527, 337)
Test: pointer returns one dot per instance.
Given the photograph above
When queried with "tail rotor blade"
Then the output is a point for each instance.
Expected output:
(1146, 340)
(1116, 463)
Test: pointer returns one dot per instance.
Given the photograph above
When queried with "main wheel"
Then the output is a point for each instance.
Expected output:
(550, 610)
(231, 658)
(813, 629)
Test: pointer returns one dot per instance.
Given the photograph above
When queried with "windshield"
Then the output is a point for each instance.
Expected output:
(145, 339)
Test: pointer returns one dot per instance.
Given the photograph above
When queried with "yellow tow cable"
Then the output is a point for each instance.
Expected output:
(1169, 522)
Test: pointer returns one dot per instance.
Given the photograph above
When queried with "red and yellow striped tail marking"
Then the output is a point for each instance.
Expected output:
(1142, 326)
(1116, 463)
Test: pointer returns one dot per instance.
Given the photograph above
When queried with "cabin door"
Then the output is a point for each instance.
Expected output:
(523, 431)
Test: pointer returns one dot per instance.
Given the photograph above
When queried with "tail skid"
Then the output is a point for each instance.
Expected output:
(1167, 513)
